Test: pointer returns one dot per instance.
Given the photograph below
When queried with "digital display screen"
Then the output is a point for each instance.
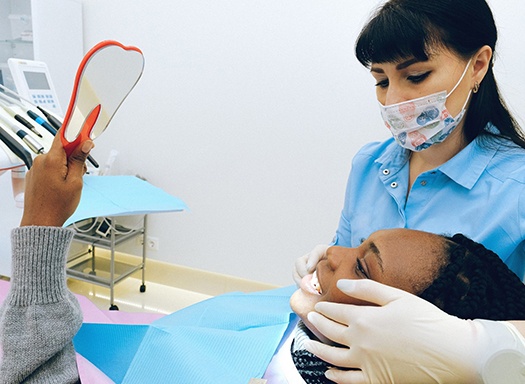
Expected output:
(36, 80)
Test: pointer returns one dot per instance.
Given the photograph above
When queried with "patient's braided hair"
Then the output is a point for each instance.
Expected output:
(476, 283)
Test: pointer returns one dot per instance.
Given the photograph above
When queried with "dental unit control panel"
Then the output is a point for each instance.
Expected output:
(33, 81)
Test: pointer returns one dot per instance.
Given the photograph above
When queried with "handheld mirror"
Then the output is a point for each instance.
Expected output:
(105, 77)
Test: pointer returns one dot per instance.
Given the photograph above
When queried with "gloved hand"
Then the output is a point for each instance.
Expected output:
(408, 340)
(306, 264)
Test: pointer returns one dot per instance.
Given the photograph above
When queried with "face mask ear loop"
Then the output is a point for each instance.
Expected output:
(466, 101)
(460, 79)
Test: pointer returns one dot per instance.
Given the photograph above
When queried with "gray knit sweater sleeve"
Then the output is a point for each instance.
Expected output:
(40, 316)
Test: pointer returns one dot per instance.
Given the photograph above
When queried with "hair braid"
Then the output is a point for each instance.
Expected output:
(476, 283)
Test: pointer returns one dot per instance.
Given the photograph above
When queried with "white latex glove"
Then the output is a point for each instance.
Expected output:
(408, 340)
(306, 264)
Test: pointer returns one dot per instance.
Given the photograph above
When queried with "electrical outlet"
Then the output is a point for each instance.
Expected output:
(152, 243)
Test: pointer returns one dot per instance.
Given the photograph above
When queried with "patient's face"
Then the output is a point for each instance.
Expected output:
(402, 258)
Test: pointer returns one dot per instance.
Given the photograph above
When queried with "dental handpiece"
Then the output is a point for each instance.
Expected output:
(32, 143)
(19, 118)
(52, 119)
(42, 122)
(16, 148)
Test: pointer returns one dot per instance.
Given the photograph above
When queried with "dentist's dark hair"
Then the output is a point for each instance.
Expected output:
(476, 284)
(403, 29)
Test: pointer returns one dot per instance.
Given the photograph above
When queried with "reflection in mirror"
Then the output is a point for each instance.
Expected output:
(107, 74)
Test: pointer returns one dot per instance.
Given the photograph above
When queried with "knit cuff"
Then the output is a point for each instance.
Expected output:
(39, 265)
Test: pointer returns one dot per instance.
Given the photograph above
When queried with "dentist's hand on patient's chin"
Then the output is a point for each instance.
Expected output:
(405, 339)
(306, 264)
(54, 185)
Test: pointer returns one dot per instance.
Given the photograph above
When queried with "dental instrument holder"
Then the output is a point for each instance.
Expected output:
(105, 77)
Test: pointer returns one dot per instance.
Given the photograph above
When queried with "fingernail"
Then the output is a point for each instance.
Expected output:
(87, 146)
(329, 375)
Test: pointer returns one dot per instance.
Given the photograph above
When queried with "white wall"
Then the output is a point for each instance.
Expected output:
(251, 112)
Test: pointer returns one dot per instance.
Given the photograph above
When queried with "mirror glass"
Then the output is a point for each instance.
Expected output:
(105, 77)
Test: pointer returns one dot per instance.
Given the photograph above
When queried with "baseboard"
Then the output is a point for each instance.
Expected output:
(191, 279)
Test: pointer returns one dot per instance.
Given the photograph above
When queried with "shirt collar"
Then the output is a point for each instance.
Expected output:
(394, 156)
(473, 157)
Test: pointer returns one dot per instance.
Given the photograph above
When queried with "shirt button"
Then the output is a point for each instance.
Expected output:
(423, 183)
(393, 184)
(386, 172)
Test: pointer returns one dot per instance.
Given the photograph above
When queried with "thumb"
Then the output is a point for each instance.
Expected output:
(371, 291)
(317, 253)
(76, 162)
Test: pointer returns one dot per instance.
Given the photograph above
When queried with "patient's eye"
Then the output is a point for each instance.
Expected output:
(360, 270)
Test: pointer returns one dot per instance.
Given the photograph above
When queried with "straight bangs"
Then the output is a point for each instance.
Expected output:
(395, 34)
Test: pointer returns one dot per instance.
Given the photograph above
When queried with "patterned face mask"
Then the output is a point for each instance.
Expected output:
(417, 124)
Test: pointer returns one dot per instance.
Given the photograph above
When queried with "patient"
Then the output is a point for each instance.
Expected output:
(459, 276)
(456, 274)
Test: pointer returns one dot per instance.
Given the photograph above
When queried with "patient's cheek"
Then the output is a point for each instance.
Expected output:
(303, 303)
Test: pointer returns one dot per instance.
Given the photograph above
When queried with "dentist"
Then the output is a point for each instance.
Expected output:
(455, 163)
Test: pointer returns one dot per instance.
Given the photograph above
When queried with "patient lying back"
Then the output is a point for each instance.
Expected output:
(456, 274)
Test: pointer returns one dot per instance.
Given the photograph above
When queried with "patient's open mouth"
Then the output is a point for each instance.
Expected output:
(315, 283)
(310, 284)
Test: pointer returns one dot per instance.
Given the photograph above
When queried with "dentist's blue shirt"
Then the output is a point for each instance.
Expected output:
(480, 192)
